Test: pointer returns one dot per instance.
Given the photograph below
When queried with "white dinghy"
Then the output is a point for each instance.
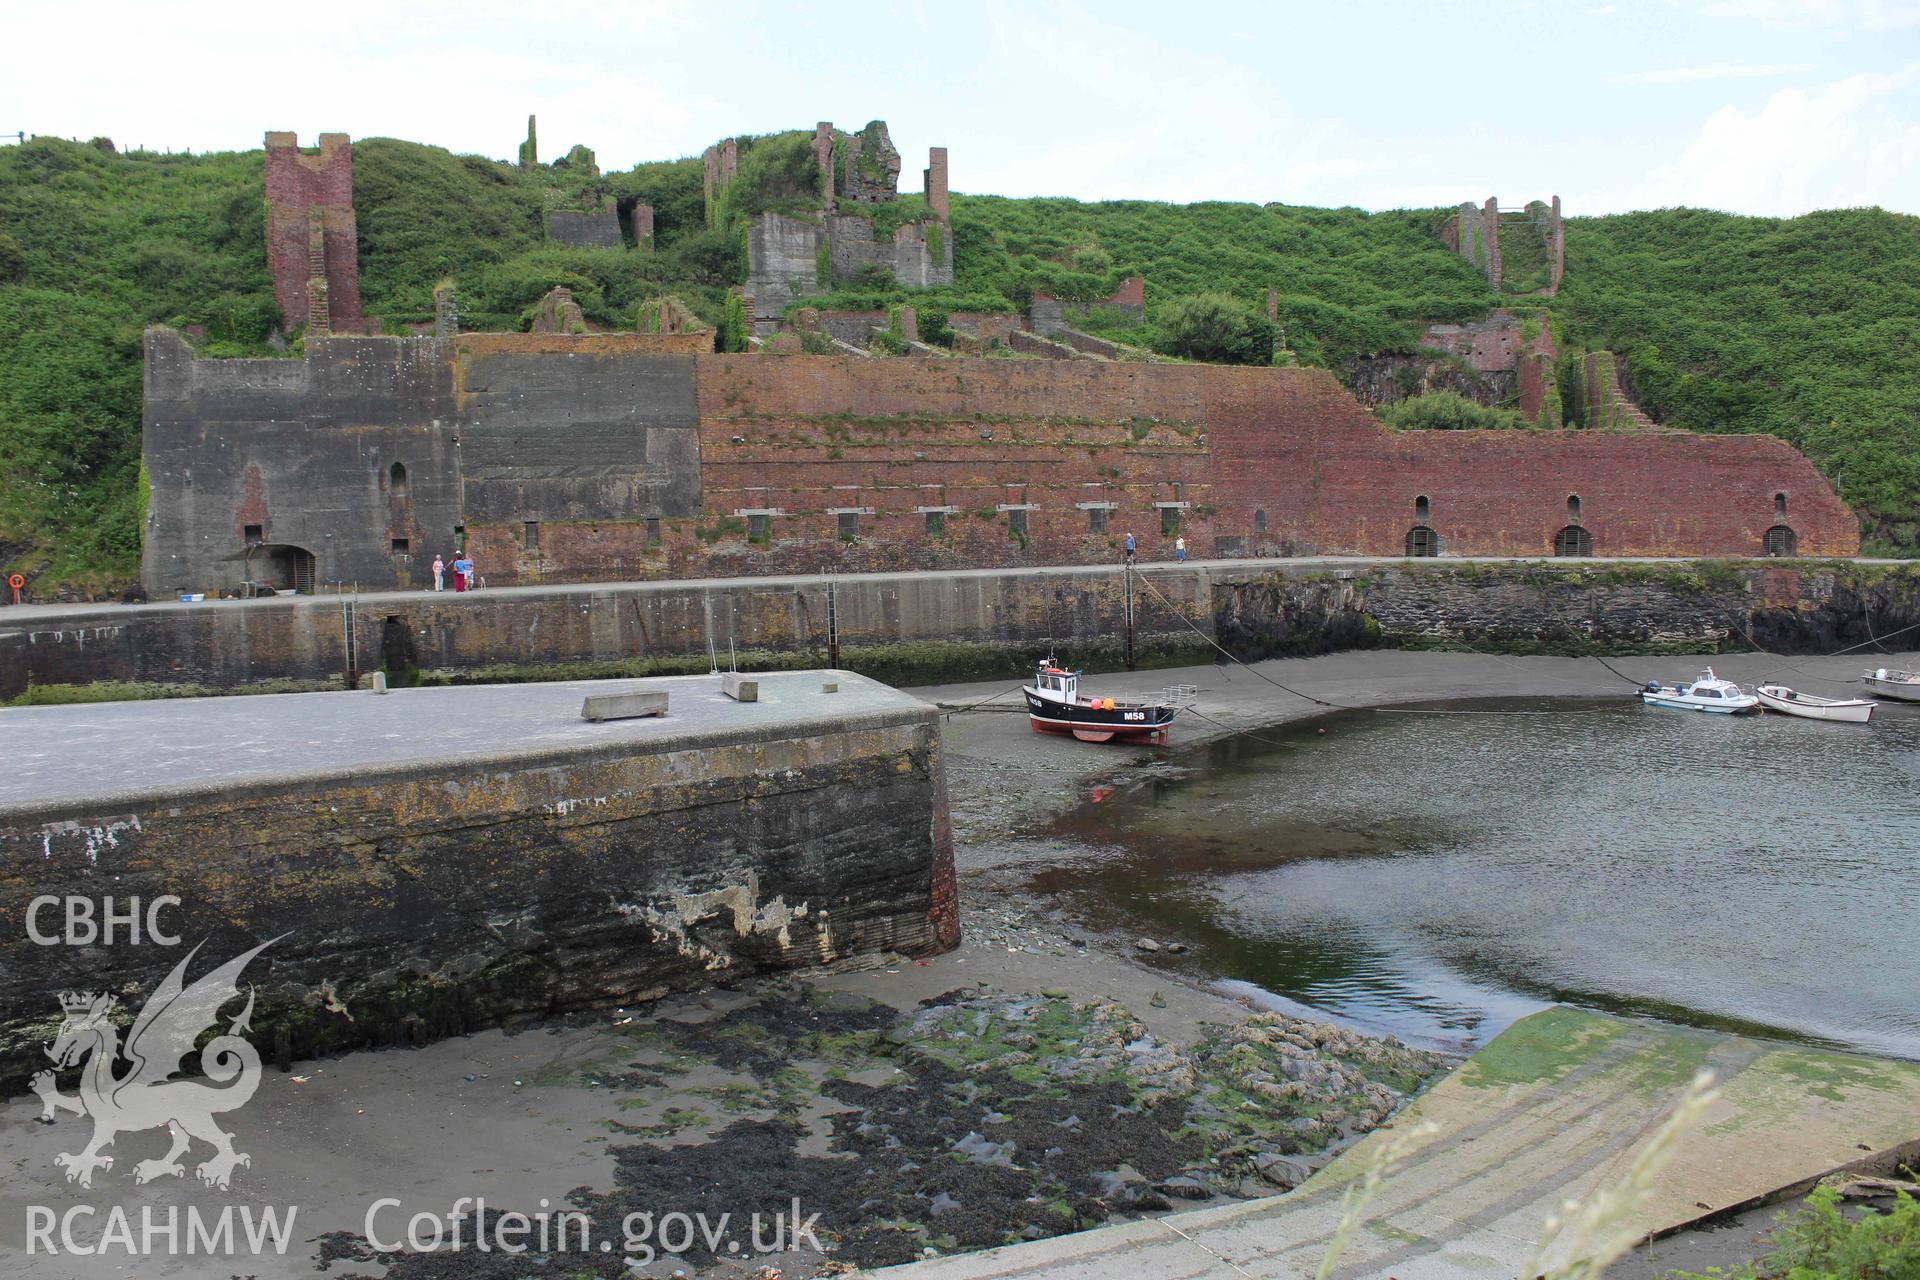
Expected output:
(1777, 697)
(1904, 685)
(1707, 693)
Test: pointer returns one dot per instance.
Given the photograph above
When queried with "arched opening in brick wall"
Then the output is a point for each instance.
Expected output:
(397, 480)
(1422, 541)
(1782, 541)
(1780, 508)
(1573, 541)
(1259, 523)
(1422, 509)
(286, 566)
(1573, 508)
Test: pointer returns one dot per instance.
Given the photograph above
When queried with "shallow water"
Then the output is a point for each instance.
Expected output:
(1437, 876)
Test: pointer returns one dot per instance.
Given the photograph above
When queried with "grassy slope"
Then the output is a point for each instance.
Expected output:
(1806, 328)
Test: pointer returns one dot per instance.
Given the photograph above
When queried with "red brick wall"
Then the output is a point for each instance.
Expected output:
(826, 432)
(295, 183)
(807, 435)
(1331, 479)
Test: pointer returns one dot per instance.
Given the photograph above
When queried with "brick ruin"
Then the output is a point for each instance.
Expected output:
(1050, 315)
(788, 255)
(572, 458)
(312, 242)
(565, 455)
(1474, 233)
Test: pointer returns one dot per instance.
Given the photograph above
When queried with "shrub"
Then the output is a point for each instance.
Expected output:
(1450, 411)
(1215, 327)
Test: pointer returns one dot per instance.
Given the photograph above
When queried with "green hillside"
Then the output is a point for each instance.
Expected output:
(1808, 328)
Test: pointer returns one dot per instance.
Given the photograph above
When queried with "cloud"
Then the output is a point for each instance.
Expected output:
(1689, 75)
(1850, 142)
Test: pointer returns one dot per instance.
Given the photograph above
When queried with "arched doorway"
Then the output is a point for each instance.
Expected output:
(1782, 541)
(1422, 541)
(1573, 541)
(286, 566)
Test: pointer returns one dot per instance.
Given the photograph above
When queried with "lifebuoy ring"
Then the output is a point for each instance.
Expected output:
(16, 580)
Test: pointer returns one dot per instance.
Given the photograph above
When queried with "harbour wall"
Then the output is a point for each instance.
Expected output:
(407, 903)
(926, 628)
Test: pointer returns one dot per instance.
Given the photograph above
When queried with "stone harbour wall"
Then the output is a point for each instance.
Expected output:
(437, 898)
(928, 628)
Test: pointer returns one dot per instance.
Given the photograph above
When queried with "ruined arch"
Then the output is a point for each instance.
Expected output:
(397, 480)
(1781, 540)
(1422, 540)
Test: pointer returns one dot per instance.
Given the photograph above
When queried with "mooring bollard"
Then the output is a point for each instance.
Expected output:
(623, 706)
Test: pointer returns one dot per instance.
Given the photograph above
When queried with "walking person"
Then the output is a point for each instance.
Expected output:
(439, 573)
(473, 573)
(459, 571)
(1180, 548)
(1129, 548)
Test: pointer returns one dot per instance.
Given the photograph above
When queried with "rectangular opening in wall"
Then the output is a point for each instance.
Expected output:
(400, 547)
(253, 534)
(936, 523)
(760, 528)
(532, 535)
(653, 531)
(849, 525)
(1169, 521)
(1017, 520)
(1096, 519)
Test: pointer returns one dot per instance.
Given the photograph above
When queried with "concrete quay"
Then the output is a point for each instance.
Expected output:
(432, 860)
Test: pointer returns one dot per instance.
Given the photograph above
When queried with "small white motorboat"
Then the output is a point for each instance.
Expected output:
(1904, 685)
(1707, 693)
(1777, 697)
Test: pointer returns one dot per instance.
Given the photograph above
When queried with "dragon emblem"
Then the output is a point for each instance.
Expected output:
(143, 1095)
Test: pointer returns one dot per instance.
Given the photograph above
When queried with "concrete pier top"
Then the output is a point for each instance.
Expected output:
(125, 751)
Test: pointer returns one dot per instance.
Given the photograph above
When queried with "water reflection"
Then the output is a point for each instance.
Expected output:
(1439, 876)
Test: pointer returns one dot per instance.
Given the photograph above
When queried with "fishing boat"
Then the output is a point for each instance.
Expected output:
(1777, 697)
(1904, 685)
(1055, 705)
(1708, 692)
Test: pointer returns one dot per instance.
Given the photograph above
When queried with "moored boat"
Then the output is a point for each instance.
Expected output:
(1707, 693)
(1055, 705)
(1778, 697)
(1904, 685)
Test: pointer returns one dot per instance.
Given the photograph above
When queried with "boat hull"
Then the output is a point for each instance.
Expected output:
(1840, 710)
(1097, 724)
(1897, 689)
(1727, 708)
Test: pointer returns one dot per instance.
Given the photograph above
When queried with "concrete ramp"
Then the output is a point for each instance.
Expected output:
(1548, 1111)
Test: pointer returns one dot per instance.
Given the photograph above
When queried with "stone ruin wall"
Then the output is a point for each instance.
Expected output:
(1474, 233)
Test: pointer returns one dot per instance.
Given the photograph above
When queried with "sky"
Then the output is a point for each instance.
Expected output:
(1752, 106)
